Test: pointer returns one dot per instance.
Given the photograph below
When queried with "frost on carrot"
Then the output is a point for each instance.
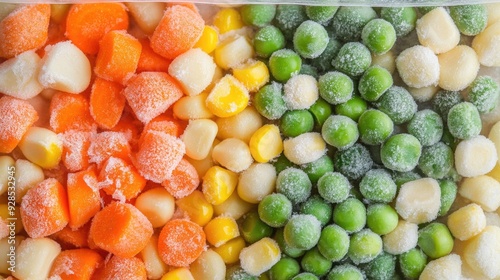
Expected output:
(106, 103)
(76, 264)
(83, 197)
(70, 112)
(17, 116)
(131, 268)
(151, 61)
(184, 180)
(120, 179)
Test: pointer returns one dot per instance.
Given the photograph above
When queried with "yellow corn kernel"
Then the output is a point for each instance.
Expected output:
(208, 40)
(218, 184)
(220, 230)
(58, 12)
(228, 19)
(260, 256)
(228, 97)
(41, 146)
(5, 213)
(254, 74)
(467, 222)
(266, 143)
(178, 274)
(196, 207)
(230, 252)
(233, 207)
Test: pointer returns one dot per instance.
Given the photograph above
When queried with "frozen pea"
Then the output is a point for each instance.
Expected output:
(320, 110)
(333, 243)
(398, 104)
(305, 276)
(267, 40)
(484, 93)
(253, 228)
(275, 209)
(319, 208)
(310, 39)
(469, 19)
(333, 187)
(375, 154)
(464, 121)
(449, 139)
(377, 186)
(353, 59)
(321, 14)
(294, 184)
(350, 215)
(444, 100)
(236, 272)
(425, 9)
(412, 263)
(448, 195)
(257, 15)
(401, 152)
(404, 177)
(316, 169)
(289, 17)
(435, 240)
(302, 231)
(364, 246)
(268, 101)
(284, 63)
(426, 126)
(352, 108)
(436, 161)
(374, 82)
(313, 261)
(348, 22)
(284, 247)
(402, 18)
(340, 131)
(310, 70)
(378, 35)
(381, 218)
(375, 127)
(281, 163)
(284, 269)
(335, 87)
(353, 162)
(345, 272)
(295, 122)
(324, 61)
(383, 267)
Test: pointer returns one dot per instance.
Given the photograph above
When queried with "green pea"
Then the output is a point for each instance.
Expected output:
(353, 162)
(443, 101)
(286, 268)
(283, 64)
(302, 231)
(310, 39)
(284, 247)
(404, 177)
(401, 152)
(267, 40)
(374, 127)
(333, 187)
(353, 59)
(275, 209)
(257, 15)
(412, 263)
(469, 19)
(268, 101)
(398, 104)
(345, 272)
(335, 87)
(464, 121)
(374, 83)
(484, 93)
(436, 161)
(324, 61)
(449, 139)
(333, 243)
(320, 110)
(364, 246)
(305, 276)
(340, 131)
(426, 126)
(295, 122)
(316, 169)
(294, 184)
(313, 261)
(289, 17)
(321, 14)
(253, 228)
(425, 9)
(448, 195)
(237, 273)
(319, 208)
(377, 186)
(435, 240)
(378, 35)
(352, 108)
(281, 163)
(381, 218)
(403, 19)
(383, 267)
(350, 215)
(310, 70)
(348, 22)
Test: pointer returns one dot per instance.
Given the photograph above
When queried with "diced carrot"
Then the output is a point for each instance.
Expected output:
(106, 144)
(69, 238)
(181, 242)
(75, 149)
(70, 111)
(118, 56)
(17, 116)
(121, 229)
(86, 24)
(151, 61)
(178, 31)
(120, 179)
(158, 155)
(83, 197)
(190, 6)
(184, 180)
(106, 103)
(26, 28)
(44, 209)
(149, 94)
(164, 123)
(76, 264)
(121, 268)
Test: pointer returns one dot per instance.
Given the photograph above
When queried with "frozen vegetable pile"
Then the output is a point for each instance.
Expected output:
(146, 141)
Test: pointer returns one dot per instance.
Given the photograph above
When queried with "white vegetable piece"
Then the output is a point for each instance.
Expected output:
(402, 239)
(5, 250)
(157, 205)
(448, 267)
(256, 182)
(241, 126)
(304, 148)
(300, 92)
(260, 256)
(6, 165)
(198, 138)
(34, 258)
(423, 94)
(386, 60)
(209, 265)
(233, 154)
(147, 15)
(233, 207)
(467, 222)
(155, 267)
(194, 70)
(437, 31)
(486, 45)
(482, 253)
(458, 68)
(232, 51)
(483, 190)
(475, 156)
(419, 201)
(418, 66)
(42, 147)
(19, 76)
(494, 136)
(28, 175)
(192, 107)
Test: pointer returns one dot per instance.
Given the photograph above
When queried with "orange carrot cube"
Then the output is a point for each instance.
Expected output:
(76, 264)
(184, 180)
(83, 197)
(70, 111)
(121, 268)
(106, 103)
(106, 144)
(151, 61)
(75, 149)
(120, 179)
(17, 116)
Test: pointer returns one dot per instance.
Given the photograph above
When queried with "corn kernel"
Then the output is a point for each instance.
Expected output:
(41, 146)
(304, 148)
(27, 176)
(209, 265)
(198, 137)
(220, 230)
(266, 143)
(203, 165)
(233, 207)
(208, 40)
(233, 51)
(467, 222)
(260, 256)
(196, 207)
(241, 126)
(230, 252)
(147, 15)
(228, 19)
(218, 184)
(5, 214)
(253, 74)
(178, 274)
(192, 107)
(233, 154)
(34, 257)
(155, 267)
(6, 163)
(228, 98)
